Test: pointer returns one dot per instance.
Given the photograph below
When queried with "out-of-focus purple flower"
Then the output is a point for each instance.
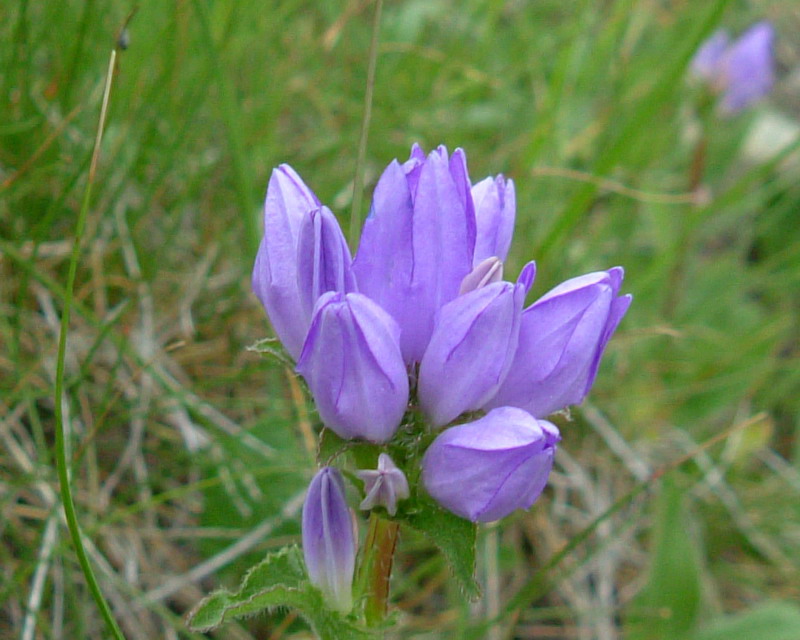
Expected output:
(495, 210)
(417, 244)
(383, 486)
(484, 470)
(471, 349)
(352, 363)
(562, 337)
(742, 70)
(302, 254)
(329, 540)
(749, 67)
(706, 62)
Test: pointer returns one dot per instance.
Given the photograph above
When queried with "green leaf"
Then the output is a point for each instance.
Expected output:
(272, 348)
(668, 605)
(279, 581)
(331, 446)
(454, 536)
(769, 621)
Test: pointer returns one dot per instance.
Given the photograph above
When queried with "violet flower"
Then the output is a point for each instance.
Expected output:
(742, 70)
(418, 242)
(383, 486)
(352, 363)
(302, 254)
(471, 349)
(486, 469)
(562, 337)
(329, 539)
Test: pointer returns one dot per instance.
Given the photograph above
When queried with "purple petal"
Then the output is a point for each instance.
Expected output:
(383, 486)
(486, 272)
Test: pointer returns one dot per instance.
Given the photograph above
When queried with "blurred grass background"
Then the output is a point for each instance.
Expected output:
(190, 454)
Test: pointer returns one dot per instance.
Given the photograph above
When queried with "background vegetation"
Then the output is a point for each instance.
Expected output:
(190, 454)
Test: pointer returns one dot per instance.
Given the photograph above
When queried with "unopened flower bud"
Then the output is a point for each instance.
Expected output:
(471, 349)
(495, 210)
(561, 340)
(486, 469)
(329, 542)
(353, 366)
(288, 202)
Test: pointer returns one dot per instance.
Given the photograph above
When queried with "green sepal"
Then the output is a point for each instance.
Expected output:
(280, 580)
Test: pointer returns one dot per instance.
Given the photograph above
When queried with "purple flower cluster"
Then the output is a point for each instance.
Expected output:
(742, 70)
(423, 312)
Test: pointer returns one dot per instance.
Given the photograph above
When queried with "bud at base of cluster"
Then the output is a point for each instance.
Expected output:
(329, 541)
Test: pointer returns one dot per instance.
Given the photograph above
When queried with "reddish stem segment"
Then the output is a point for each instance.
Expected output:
(380, 545)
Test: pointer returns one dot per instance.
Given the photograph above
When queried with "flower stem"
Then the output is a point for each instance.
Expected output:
(379, 555)
(358, 178)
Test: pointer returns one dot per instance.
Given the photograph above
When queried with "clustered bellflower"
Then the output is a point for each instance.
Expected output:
(423, 319)
(741, 70)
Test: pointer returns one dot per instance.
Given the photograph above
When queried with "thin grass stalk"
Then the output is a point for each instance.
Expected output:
(358, 178)
(62, 463)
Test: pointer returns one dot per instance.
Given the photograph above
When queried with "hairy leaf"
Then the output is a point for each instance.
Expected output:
(453, 535)
(279, 581)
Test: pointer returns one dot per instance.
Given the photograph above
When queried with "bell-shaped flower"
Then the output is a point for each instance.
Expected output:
(352, 363)
(329, 539)
(323, 259)
(495, 210)
(471, 349)
(302, 254)
(562, 337)
(418, 242)
(741, 70)
(383, 486)
(486, 469)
